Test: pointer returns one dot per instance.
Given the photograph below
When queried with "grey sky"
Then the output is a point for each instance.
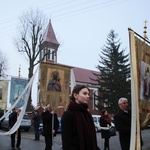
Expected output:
(81, 27)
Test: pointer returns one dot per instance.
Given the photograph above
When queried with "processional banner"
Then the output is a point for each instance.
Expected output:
(16, 88)
(140, 86)
(54, 84)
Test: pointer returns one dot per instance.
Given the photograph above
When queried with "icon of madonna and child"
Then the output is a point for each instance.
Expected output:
(54, 83)
(145, 81)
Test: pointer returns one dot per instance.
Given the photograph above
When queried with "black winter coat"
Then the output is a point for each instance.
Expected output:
(36, 119)
(104, 133)
(12, 119)
(123, 125)
(69, 131)
(47, 123)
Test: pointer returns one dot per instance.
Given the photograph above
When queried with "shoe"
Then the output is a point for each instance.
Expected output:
(35, 140)
(13, 148)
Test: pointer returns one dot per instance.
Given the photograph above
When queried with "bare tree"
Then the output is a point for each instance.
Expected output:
(3, 65)
(32, 27)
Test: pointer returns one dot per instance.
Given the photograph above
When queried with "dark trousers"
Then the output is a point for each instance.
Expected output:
(36, 132)
(106, 144)
(13, 137)
(48, 143)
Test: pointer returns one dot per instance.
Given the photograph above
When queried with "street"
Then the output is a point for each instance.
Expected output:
(27, 142)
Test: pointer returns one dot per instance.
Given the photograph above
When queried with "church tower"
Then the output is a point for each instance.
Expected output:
(50, 45)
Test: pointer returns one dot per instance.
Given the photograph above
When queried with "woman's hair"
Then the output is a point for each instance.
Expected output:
(103, 111)
(76, 90)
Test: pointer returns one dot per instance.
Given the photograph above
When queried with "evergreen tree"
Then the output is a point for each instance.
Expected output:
(114, 77)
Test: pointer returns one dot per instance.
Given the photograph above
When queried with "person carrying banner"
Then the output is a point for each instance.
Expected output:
(50, 126)
(122, 121)
(36, 122)
(12, 120)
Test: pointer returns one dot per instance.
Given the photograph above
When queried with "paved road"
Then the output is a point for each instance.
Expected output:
(28, 143)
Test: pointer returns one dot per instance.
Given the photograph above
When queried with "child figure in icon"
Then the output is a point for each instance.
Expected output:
(147, 83)
(54, 84)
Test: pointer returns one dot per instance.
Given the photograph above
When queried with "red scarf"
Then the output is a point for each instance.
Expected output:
(106, 118)
(85, 126)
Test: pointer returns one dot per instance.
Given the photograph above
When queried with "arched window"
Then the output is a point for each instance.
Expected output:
(51, 54)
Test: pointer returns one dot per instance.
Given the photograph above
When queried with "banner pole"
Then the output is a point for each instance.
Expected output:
(134, 144)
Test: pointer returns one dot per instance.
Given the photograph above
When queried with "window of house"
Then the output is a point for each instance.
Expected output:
(95, 102)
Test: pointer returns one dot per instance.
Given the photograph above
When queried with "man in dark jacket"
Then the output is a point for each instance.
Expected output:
(50, 126)
(123, 123)
(36, 122)
(12, 121)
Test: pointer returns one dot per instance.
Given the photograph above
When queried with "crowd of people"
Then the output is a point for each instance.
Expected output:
(78, 129)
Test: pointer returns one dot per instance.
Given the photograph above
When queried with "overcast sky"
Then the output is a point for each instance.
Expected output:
(81, 28)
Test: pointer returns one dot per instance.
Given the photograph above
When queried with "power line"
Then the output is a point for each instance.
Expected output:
(78, 8)
(88, 9)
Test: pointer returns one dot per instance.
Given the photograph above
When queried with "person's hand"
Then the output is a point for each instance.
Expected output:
(52, 111)
(53, 131)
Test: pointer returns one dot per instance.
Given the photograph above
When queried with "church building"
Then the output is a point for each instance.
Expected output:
(57, 80)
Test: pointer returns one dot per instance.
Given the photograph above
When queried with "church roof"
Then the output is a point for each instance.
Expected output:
(84, 75)
(49, 35)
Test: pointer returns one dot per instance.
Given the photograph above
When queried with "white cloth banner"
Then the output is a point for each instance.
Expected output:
(105, 128)
(21, 114)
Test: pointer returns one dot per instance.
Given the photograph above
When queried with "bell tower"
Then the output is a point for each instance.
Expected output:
(49, 47)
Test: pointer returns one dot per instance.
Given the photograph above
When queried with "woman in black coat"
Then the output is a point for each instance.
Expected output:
(105, 125)
(78, 130)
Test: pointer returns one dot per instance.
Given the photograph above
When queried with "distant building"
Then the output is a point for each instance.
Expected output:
(3, 94)
(56, 81)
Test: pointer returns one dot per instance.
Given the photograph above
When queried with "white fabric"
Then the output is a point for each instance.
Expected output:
(21, 114)
(105, 128)
(134, 144)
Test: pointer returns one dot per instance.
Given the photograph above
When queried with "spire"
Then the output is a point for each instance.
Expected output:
(49, 35)
(19, 71)
(145, 29)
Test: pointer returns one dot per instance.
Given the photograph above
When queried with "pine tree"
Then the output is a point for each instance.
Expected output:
(114, 77)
